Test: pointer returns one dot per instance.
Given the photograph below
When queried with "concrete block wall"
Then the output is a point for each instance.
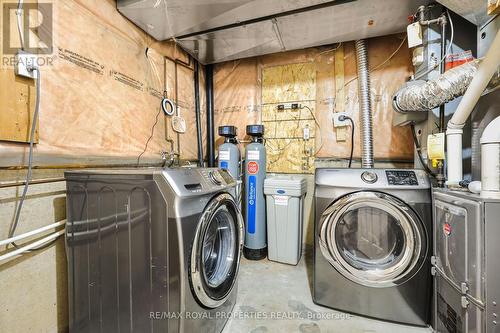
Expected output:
(33, 287)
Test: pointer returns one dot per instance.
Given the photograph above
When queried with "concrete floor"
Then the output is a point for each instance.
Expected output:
(275, 297)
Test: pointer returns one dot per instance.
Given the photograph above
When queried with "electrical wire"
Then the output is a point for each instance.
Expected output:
(329, 50)
(373, 69)
(448, 50)
(419, 152)
(390, 57)
(352, 137)
(150, 137)
(30, 157)
(155, 72)
(19, 13)
(282, 149)
(319, 128)
(30, 166)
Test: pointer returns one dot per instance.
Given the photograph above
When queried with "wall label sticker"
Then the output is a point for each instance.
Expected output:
(254, 155)
(253, 168)
(447, 229)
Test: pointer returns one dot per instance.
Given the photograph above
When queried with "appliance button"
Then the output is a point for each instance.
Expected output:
(215, 177)
(369, 177)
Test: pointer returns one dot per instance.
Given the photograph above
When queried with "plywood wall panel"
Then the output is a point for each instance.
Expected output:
(286, 148)
(289, 83)
(16, 107)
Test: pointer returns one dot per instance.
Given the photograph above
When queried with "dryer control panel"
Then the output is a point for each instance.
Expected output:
(401, 177)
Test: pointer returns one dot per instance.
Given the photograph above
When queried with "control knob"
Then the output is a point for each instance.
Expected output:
(369, 177)
(216, 178)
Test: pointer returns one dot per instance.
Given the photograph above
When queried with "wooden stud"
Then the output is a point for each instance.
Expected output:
(339, 91)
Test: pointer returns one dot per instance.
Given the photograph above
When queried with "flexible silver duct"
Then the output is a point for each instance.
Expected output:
(425, 96)
(365, 105)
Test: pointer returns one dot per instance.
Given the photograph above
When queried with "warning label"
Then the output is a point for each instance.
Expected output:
(252, 168)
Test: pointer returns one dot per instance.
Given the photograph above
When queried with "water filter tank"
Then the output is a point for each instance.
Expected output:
(255, 206)
(229, 153)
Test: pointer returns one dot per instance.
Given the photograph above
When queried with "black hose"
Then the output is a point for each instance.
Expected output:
(198, 112)
(419, 153)
(209, 78)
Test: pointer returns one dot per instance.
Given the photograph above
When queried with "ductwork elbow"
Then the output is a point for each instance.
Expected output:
(427, 95)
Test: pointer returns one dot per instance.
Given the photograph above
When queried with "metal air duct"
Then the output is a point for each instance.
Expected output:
(365, 105)
(425, 96)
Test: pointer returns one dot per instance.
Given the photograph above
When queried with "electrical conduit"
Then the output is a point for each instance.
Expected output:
(32, 246)
(32, 233)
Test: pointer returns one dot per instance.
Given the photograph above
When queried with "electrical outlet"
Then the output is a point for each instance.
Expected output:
(340, 123)
(307, 133)
(24, 64)
(289, 106)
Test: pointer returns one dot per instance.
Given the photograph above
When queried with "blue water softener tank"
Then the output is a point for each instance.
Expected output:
(229, 153)
(255, 205)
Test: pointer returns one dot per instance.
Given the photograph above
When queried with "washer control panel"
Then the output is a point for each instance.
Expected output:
(197, 181)
(216, 177)
(401, 177)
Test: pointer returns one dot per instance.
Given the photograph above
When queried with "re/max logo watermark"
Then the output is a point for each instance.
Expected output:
(29, 27)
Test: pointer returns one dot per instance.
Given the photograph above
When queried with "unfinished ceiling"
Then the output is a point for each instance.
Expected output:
(221, 30)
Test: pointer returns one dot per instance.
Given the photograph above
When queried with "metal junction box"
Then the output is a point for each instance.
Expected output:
(466, 264)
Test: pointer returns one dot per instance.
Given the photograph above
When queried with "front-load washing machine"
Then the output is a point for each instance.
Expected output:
(373, 243)
(152, 250)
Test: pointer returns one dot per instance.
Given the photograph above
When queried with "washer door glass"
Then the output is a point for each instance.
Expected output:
(216, 251)
(373, 239)
(219, 248)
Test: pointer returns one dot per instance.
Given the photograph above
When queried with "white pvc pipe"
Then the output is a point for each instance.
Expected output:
(454, 155)
(33, 245)
(32, 233)
(486, 69)
(490, 160)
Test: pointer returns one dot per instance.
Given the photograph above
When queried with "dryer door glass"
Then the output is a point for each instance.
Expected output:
(373, 239)
(216, 252)
(370, 238)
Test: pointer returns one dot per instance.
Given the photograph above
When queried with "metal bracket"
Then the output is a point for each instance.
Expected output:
(464, 288)
(433, 271)
(465, 302)
(433, 260)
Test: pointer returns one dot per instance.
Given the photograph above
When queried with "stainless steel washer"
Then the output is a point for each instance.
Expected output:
(373, 243)
(152, 250)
